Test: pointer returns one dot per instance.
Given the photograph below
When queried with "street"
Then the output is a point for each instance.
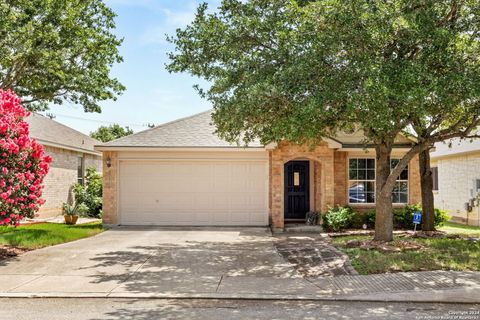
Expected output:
(151, 309)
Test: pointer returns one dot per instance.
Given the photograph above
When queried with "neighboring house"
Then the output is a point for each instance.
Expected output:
(72, 153)
(456, 173)
(181, 173)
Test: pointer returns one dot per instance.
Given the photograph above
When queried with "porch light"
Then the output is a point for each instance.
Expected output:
(109, 162)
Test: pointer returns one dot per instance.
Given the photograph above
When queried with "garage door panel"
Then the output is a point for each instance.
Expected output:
(212, 192)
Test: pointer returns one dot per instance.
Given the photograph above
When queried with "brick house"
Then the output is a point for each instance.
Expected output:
(456, 175)
(181, 173)
(72, 153)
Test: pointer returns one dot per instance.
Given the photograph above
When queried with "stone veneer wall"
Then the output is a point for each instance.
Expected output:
(60, 178)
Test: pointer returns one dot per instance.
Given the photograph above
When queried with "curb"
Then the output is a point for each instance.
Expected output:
(452, 296)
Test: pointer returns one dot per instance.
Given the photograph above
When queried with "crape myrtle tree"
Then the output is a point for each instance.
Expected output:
(23, 164)
(284, 70)
(55, 51)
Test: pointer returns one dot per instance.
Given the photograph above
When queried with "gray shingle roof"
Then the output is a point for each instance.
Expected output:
(190, 132)
(52, 133)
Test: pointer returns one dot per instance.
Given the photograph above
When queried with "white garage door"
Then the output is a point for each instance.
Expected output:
(196, 193)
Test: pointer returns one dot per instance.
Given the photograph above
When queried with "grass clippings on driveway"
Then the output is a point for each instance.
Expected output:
(41, 235)
(459, 253)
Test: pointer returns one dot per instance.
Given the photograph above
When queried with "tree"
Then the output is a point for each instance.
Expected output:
(58, 51)
(112, 132)
(23, 163)
(283, 71)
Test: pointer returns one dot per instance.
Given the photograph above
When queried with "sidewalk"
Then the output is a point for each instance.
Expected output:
(431, 286)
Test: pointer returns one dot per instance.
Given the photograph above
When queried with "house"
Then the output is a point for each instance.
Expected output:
(456, 175)
(181, 173)
(72, 153)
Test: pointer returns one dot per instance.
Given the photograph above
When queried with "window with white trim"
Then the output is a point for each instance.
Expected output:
(81, 169)
(361, 182)
(400, 190)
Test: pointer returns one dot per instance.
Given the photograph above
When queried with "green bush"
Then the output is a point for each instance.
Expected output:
(90, 194)
(402, 217)
(441, 216)
(339, 218)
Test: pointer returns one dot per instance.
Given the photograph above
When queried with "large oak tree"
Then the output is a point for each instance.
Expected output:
(302, 70)
(52, 51)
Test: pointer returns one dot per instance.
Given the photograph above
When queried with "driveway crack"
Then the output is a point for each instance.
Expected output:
(219, 282)
(130, 274)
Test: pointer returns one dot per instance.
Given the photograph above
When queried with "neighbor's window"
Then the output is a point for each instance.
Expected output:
(435, 178)
(361, 184)
(81, 170)
(400, 191)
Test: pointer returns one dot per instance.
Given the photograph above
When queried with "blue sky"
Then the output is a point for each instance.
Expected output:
(153, 95)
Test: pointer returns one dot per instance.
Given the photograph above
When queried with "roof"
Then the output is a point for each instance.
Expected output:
(458, 147)
(195, 131)
(52, 133)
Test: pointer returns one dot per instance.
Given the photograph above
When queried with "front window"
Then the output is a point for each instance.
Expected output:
(361, 185)
(361, 182)
(81, 170)
(400, 190)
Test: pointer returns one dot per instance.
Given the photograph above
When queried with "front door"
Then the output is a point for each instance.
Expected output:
(297, 184)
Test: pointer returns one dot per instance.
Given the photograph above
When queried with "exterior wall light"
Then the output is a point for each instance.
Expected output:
(109, 162)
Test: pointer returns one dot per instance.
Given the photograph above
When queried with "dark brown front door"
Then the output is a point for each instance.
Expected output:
(297, 202)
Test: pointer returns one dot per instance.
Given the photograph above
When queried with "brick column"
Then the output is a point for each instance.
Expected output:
(110, 179)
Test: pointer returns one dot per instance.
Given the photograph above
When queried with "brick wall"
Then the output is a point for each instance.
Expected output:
(110, 186)
(341, 178)
(456, 179)
(324, 187)
(330, 178)
(60, 178)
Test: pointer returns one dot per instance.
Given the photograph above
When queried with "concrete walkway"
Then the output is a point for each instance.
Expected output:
(216, 263)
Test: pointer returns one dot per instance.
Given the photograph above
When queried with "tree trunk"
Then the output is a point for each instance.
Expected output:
(383, 195)
(426, 181)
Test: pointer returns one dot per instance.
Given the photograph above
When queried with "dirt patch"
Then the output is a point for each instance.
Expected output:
(394, 246)
(7, 252)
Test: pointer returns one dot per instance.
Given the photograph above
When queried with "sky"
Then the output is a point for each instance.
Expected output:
(153, 96)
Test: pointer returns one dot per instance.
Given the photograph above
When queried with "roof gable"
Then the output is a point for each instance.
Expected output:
(52, 133)
(190, 132)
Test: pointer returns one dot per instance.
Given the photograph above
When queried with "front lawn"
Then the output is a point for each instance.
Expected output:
(445, 253)
(41, 235)
(457, 228)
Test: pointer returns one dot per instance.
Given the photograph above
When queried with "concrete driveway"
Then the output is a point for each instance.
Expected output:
(225, 263)
(156, 262)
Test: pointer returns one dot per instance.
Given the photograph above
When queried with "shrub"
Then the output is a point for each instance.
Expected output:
(90, 194)
(441, 216)
(339, 218)
(403, 218)
(73, 210)
(23, 163)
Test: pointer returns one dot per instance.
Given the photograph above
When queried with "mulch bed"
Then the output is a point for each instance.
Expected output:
(7, 252)
(395, 246)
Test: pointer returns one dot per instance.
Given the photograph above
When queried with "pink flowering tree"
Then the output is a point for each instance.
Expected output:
(23, 163)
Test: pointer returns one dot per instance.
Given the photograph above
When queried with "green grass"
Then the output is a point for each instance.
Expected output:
(41, 235)
(457, 228)
(438, 254)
